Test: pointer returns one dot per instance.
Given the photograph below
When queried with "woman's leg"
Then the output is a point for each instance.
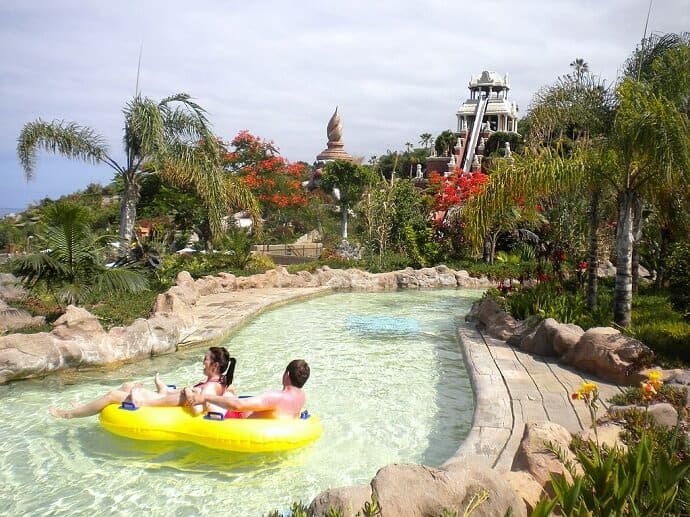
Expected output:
(141, 397)
(91, 408)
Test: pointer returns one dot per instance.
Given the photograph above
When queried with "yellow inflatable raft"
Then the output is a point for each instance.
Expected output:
(232, 434)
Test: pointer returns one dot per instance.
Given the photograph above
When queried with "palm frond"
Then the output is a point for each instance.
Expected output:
(65, 138)
(145, 133)
(121, 280)
(186, 100)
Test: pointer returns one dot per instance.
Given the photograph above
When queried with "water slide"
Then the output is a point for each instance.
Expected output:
(471, 144)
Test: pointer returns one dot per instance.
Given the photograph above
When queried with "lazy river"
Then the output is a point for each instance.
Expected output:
(388, 382)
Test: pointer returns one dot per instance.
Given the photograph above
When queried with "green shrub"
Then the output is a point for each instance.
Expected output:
(671, 340)
(197, 265)
(665, 393)
(644, 480)
(678, 270)
(548, 300)
(260, 263)
(498, 271)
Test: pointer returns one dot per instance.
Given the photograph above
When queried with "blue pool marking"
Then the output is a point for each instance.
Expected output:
(382, 324)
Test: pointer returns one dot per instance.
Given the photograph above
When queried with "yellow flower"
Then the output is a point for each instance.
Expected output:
(654, 377)
(586, 391)
(588, 387)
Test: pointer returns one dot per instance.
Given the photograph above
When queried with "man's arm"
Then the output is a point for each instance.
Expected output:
(264, 402)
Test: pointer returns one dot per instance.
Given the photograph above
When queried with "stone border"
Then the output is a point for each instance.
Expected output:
(79, 341)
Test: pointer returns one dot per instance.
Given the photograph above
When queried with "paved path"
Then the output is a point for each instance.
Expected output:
(512, 387)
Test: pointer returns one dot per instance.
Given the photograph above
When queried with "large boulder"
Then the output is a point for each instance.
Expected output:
(608, 435)
(565, 336)
(522, 329)
(608, 354)
(538, 340)
(77, 324)
(28, 355)
(426, 491)
(15, 319)
(664, 414)
(170, 305)
(10, 288)
(526, 487)
(498, 323)
(534, 456)
(347, 500)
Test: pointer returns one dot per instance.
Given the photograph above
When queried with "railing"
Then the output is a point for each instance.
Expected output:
(307, 250)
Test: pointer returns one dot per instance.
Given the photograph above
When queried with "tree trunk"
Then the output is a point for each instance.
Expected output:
(343, 221)
(637, 237)
(486, 251)
(622, 298)
(128, 209)
(593, 251)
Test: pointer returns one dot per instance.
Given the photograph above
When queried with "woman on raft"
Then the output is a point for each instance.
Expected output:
(219, 369)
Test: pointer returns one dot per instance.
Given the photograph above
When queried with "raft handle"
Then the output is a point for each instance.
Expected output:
(128, 406)
(214, 415)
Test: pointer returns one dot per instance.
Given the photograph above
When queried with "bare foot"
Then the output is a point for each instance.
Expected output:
(135, 396)
(160, 386)
(59, 413)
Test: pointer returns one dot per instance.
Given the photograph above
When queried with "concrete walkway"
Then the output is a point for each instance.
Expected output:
(512, 387)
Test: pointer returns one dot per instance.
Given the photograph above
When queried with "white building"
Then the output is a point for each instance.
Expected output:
(501, 114)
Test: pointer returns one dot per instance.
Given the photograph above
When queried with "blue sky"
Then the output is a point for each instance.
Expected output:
(395, 68)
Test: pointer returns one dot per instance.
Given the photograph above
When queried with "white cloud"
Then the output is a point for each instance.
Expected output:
(396, 69)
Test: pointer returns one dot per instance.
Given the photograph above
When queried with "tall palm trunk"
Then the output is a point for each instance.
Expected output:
(593, 251)
(622, 300)
(637, 237)
(128, 208)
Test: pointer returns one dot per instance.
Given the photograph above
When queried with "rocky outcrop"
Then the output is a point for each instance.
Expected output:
(601, 351)
(78, 340)
(536, 458)
(426, 491)
(16, 319)
(606, 353)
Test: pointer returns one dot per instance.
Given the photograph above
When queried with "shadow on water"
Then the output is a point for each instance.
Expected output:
(102, 446)
(455, 405)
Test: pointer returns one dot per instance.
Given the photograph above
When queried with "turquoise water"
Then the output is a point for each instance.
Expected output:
(388, 382)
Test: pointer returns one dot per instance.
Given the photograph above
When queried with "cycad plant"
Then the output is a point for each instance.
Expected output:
(70, 266)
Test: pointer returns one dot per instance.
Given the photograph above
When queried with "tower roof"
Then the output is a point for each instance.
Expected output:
(487, 78)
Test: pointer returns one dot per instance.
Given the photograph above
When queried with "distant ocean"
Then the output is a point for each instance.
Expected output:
(4, 211)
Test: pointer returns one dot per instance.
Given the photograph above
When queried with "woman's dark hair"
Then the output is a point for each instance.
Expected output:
(226, 364)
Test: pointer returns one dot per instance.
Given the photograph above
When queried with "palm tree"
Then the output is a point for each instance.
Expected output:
(71, 267)
(651, 139)
(171, 137)
(580, 67)
(425, 140)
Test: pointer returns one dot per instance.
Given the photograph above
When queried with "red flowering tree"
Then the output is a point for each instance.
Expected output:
(450, 193)
(453, 190)
(272, 179)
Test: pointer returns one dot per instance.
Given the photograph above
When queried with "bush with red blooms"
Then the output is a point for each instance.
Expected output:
(456, 188)
(274, 181)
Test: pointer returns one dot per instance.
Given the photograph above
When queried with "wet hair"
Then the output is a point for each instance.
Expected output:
(298, 370)
(226, 364)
